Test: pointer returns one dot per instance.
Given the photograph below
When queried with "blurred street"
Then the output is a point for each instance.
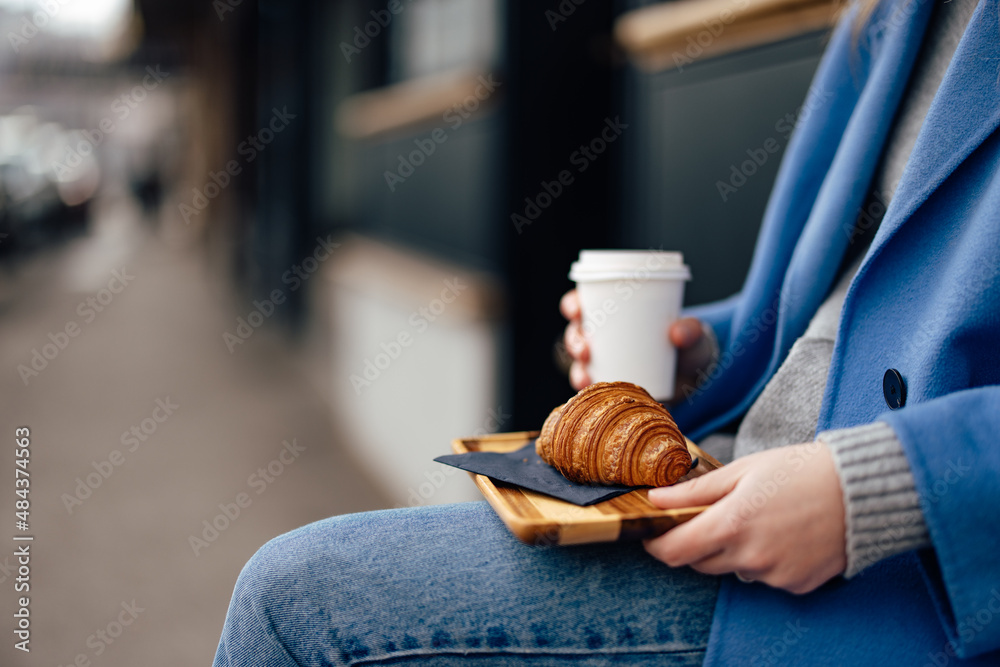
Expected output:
(129, 539)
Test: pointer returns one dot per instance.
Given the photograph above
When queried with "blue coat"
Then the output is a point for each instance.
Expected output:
(926, 301)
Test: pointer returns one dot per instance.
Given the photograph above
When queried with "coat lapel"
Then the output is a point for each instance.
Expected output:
(828, 231)
(965, 111)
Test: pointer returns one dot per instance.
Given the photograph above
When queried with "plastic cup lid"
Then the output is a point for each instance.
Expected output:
(616, 264)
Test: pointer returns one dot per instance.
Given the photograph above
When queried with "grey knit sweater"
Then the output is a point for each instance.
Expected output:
(882, 508)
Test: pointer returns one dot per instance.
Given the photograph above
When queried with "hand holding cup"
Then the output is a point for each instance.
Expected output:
(619, 314)
(696, 347)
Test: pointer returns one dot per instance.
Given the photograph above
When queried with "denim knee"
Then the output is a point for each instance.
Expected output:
(296, 598)
(266, 600)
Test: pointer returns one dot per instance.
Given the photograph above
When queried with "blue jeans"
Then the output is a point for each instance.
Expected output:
(449, 585)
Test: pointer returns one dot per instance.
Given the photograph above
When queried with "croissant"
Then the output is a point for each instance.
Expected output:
(614, 433)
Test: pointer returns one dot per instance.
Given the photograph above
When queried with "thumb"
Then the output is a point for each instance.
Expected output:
(703, 490)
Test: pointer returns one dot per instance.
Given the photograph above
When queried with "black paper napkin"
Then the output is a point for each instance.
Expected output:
(526, 468)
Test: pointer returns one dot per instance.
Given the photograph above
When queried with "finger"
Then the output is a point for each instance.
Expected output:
(703, 490)
(576, 342)
(685, 544)
(578, 376)
(569, 305)
(685, 333)
(724, 563)
(704, 536)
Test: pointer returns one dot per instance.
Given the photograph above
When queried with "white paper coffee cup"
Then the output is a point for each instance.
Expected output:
(628, 299)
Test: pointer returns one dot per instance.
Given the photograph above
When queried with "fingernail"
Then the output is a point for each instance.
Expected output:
(659, 493)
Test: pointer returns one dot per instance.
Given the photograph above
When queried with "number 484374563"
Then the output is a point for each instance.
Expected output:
(22, 454)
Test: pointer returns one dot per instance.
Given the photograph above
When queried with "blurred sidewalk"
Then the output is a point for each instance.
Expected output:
(148, 374)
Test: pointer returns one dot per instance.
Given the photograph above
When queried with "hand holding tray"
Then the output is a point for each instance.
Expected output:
(539, 519)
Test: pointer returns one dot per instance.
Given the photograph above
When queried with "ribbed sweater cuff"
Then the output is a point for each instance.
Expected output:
(881, 506)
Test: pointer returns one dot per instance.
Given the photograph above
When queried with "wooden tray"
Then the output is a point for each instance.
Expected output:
(536, 518)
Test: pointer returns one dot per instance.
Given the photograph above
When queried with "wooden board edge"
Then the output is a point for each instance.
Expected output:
(624, 527)
(712, 462)
(524, 529)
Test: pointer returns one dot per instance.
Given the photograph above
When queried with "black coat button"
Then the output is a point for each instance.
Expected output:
(893, 389)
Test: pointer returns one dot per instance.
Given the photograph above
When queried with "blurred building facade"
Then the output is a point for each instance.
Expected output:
(352, 158)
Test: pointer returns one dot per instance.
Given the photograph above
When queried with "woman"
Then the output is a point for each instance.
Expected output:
(862, 357)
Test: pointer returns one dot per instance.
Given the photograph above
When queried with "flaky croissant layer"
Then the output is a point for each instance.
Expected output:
(614, 433)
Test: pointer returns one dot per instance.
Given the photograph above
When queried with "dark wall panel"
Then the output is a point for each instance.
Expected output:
(693, 128)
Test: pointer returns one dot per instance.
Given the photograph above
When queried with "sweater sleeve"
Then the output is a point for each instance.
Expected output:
(881, 506)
